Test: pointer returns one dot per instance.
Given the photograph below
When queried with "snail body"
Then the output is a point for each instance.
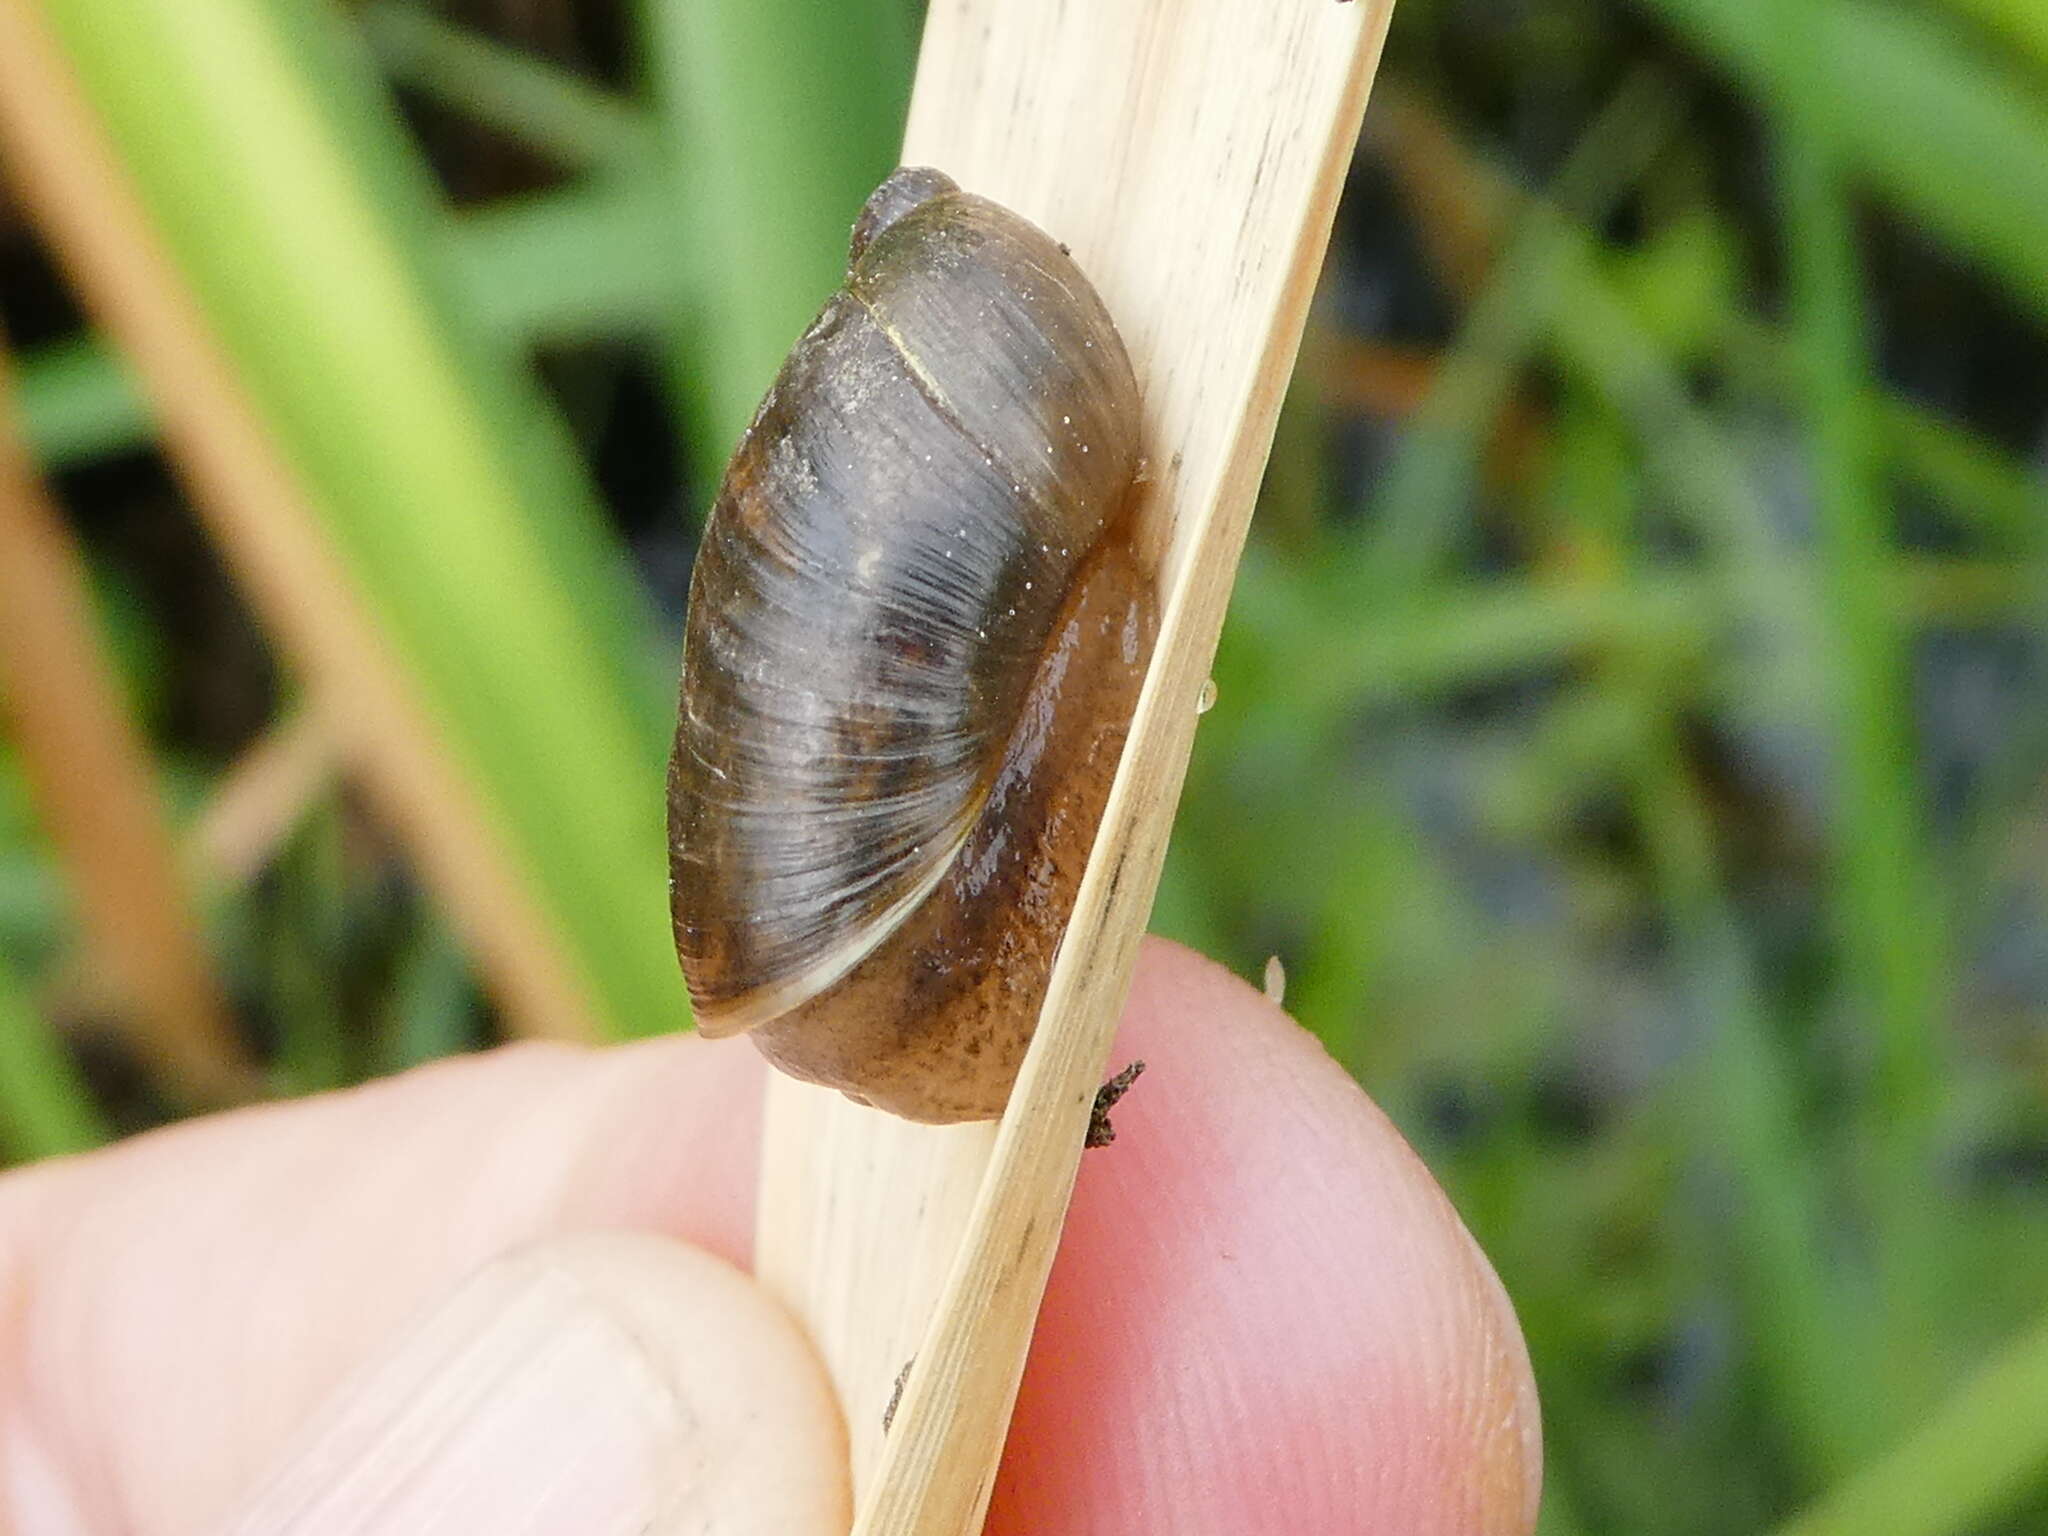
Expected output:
(917, 628)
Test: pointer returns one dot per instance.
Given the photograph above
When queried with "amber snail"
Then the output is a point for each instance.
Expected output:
(916, 630)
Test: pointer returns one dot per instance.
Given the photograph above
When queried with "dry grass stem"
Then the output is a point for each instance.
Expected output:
(261, 798)
(1200, 149)
(1462, 209)
(88, 766)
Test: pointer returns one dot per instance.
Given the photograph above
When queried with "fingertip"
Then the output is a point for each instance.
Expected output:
(1265, 1316)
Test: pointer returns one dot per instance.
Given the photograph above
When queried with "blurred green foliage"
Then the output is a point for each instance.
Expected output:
(1634, 745)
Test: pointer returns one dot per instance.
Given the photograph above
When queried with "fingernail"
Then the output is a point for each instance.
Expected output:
(595, 1385)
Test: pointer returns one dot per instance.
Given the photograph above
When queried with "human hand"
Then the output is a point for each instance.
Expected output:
(1264, 1316)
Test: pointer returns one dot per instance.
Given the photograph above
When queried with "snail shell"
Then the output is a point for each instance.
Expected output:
(916, 633)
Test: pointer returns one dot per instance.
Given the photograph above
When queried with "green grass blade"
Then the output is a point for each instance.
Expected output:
(2022, 24)
(786, 114)
(1889, 921)
(305, 951)
(1955, 143)
(1822, 1377)
(1967, 474)
(341, 85)
(590, 261)
(594, 260)
(79, 402)
(45, 1107)
(1984, 1447)
(1430, 478)
(1978, 484)
(431, 1011)
(471, 532)
(1808, 1339)
(580, 124)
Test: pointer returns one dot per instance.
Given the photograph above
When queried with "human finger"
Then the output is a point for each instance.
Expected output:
(180, 1304)
(1265, 1317)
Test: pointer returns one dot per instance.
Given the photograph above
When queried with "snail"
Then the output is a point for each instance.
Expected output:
(917, 626)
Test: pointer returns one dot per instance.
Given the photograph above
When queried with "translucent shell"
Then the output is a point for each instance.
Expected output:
(894, 551)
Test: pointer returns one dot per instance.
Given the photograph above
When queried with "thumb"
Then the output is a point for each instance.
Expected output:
(594, 1384)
